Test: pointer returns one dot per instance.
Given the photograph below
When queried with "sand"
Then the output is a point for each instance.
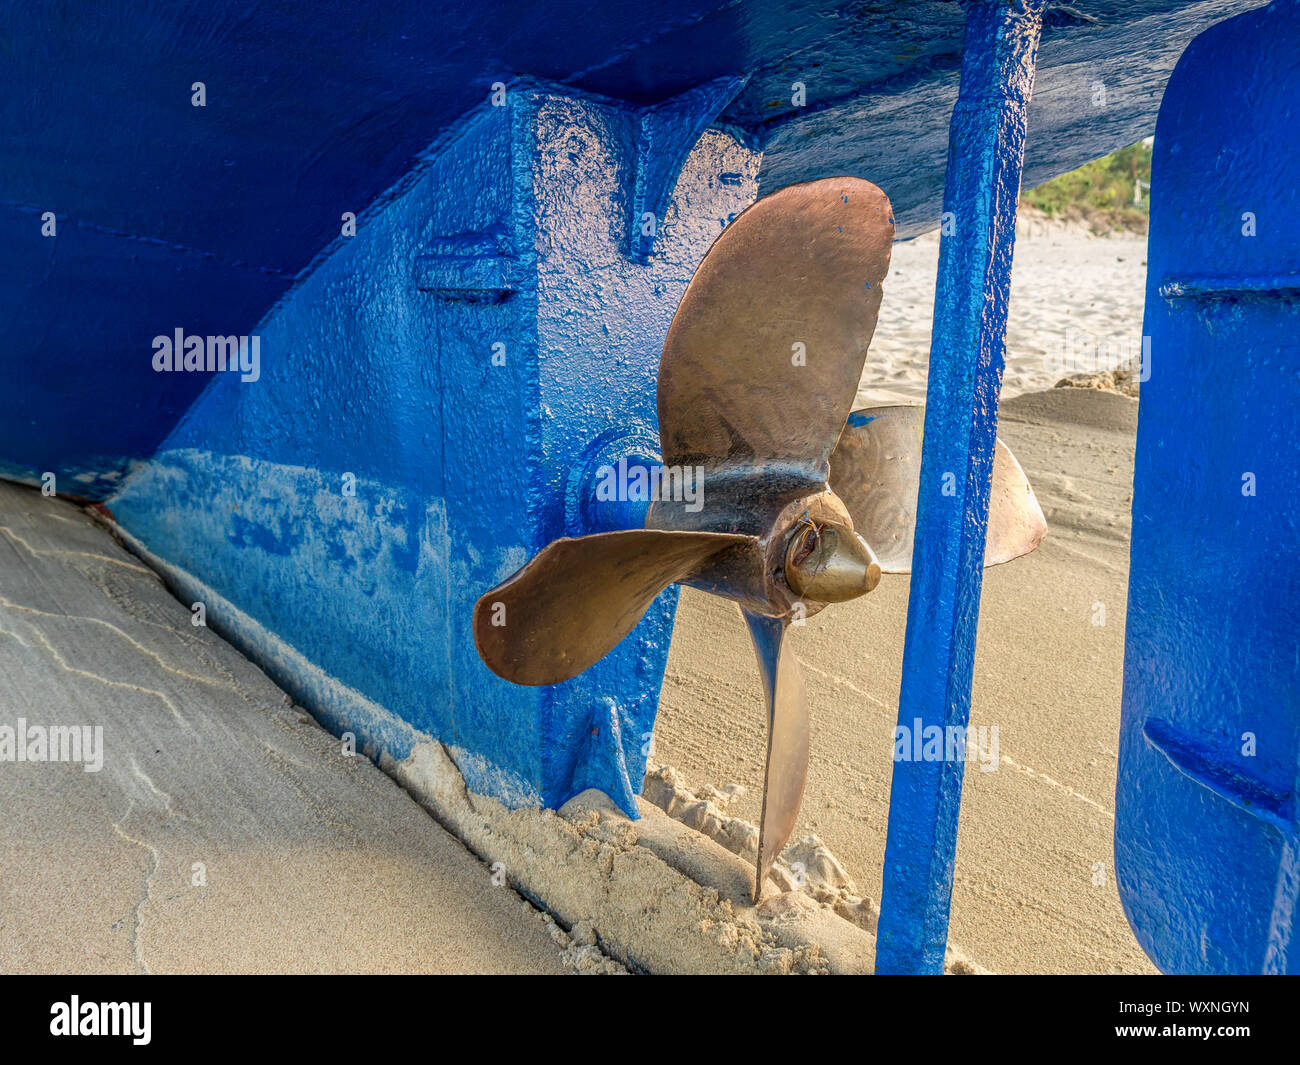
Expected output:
(222, 830)
(225, 830)
(1073, 294)
(1034, 883)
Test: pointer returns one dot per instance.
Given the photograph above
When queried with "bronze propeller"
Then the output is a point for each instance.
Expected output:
(805, 501)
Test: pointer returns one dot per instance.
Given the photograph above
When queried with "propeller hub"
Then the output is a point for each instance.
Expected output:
(829, 563)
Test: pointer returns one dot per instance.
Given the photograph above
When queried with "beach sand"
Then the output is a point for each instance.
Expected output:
(224, 830)
(1072, 292)
(1034, 884)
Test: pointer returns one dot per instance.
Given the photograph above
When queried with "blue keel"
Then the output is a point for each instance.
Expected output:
(432, 402)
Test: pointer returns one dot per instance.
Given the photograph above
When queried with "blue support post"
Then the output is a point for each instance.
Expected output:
(985, 155)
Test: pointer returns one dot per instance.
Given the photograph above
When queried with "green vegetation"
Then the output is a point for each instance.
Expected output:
(1099, 193)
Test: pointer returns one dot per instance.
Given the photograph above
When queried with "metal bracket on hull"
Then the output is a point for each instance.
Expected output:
(665, 135)
(475, 267)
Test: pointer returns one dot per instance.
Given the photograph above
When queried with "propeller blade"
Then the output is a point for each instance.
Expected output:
(787, 740)
(573, 603)
(876, 471)
(765, 352)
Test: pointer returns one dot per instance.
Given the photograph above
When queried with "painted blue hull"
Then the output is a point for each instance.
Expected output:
(171, 215)
(454, 236)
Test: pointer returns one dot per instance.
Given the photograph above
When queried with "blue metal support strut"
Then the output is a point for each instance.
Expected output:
(985, 155)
